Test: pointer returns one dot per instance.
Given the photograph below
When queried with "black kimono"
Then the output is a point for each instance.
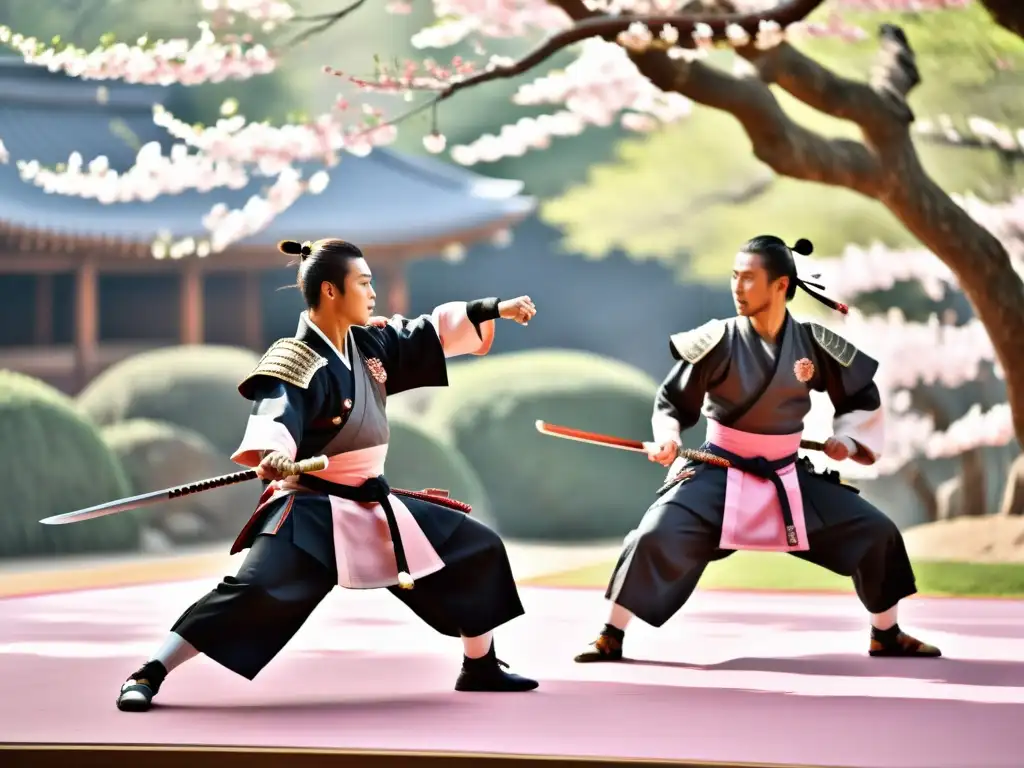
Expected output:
(755, 396)
(343, 525)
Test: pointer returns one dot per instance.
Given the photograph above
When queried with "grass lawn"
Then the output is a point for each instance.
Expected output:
(770, 571)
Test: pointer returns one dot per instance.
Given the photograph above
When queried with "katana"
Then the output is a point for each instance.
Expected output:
(314, 464)
(594, 438)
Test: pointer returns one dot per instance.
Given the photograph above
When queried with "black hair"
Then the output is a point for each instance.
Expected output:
(777, 260)
(320, 262)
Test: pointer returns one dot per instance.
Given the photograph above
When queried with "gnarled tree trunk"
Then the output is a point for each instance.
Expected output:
(1013, 494)
(884, 165)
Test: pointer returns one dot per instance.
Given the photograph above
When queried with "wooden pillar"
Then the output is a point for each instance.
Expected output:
(86, 321)
(252, 309)
(43, 328)
(396, 289)
(191, 314)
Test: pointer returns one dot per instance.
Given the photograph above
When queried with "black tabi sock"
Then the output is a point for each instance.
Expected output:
(614, 632)
(886, 636)
(153, 672)
(489, 659)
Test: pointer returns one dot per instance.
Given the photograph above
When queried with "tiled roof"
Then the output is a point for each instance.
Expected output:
(385, 198)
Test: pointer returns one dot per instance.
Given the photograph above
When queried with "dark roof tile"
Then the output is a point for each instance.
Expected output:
(385, 198)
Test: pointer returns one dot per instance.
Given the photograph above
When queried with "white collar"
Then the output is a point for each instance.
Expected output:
(340, 353)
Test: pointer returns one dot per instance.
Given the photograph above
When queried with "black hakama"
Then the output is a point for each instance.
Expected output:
(751, 391)
(312, 533)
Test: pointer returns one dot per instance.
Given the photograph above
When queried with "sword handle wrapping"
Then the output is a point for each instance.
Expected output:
(312, 464)
(210, 484)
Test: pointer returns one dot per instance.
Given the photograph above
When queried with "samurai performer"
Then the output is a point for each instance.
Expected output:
(323, 392)
(751, 376)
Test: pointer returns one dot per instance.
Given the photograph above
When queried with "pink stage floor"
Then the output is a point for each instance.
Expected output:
(750, 678)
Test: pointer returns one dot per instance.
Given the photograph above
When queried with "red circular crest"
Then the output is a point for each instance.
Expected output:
(803, 369)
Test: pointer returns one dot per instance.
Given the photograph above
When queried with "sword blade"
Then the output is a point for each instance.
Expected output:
(148, 499)
(609, 441)
(594, 438)
(314, 464)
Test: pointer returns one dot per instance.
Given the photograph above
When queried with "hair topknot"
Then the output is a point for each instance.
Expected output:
(295, 248)
(803, 246)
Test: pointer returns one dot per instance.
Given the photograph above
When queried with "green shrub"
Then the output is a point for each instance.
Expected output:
(195, 387)
(419, 459)
(54, 461)
(543, 487)
(158, 455)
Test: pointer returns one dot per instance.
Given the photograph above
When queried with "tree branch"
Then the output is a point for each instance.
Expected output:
(885, 167)
(1008, 14)
(879, 108)
(327, 20)
(730, 196)
(785, 146)
(720, 89)
(592, 24)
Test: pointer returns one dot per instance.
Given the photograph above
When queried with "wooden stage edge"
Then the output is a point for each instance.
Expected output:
(107, 755)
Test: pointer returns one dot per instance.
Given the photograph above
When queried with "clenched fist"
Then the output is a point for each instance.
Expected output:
(662, 453)
(521, 310)
(837, 449)
(275, 466)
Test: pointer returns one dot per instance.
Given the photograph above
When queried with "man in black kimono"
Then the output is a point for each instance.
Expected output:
(324, 392)
(751, 376)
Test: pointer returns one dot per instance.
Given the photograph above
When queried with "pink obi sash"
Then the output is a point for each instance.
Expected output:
(377, 541)
(753, 515)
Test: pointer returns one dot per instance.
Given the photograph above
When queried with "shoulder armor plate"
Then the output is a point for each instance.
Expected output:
(291, 361)
(693, 345)
(838, 348)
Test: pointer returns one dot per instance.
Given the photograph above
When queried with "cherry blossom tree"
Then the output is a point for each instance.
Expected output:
(927, 369)
(644, 62)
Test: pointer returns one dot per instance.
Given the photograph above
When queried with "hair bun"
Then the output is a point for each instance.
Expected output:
(290, 247)
(803, 246)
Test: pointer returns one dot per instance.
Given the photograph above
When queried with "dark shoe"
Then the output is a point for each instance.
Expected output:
(138, 690)
(607, 647)
(487, 674)
(895, 642)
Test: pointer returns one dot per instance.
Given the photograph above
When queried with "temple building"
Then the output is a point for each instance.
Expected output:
(79, 285)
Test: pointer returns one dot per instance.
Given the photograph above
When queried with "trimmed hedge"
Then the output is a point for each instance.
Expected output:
(158, 455)
(418, 458)
(542, 487)
(54, 462)
(195, 387)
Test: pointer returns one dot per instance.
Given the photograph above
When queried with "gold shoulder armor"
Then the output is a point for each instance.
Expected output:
(838, 348)
(693, 345)
(289, 360)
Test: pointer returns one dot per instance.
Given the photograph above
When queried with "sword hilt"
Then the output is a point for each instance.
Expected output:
(213, 482)
(312, 464)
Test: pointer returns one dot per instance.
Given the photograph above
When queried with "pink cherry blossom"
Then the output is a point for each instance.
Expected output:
(490, 18)
(270, 12)
(153, 174)
(600, 86)
(975, 130)
(598, 89)
(930, 353)
(160, 62)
